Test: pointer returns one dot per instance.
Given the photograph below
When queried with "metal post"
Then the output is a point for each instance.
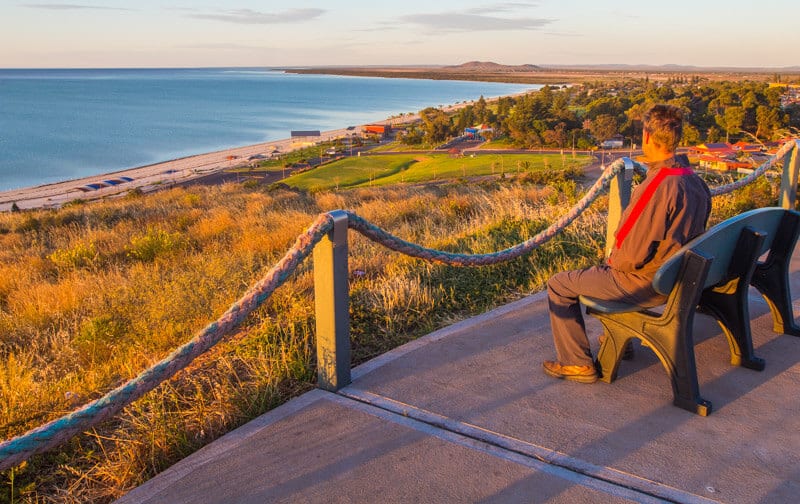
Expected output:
(332, 299)
(619, 194)
(791, 167)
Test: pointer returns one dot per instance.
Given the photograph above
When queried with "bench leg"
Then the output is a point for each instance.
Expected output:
(669, 335)
(728, 303)
(675, 353)
(612, 350)
(771, 277)
(677, 356)
(733, 315)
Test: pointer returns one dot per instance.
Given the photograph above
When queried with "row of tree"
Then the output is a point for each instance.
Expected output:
(583, 116)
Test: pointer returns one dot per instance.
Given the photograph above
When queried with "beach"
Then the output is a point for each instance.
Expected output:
(169, 173)
(152, 177)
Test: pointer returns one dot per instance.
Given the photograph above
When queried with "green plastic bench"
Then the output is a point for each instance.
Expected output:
(711, 273)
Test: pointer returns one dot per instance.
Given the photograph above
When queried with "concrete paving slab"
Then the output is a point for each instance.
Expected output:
(486, 377)
(326, 448)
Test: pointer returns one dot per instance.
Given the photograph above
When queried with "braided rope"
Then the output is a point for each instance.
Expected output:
(42, 438)
(392, 242)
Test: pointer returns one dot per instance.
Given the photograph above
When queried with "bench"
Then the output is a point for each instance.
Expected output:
(712, 274)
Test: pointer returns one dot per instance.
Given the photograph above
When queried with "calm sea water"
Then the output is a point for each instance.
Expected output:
(64, 124)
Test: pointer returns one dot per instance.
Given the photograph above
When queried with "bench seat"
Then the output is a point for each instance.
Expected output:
(712, 274)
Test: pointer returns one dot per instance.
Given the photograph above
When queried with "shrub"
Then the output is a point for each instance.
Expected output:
(74, 202)
(29, 223)
(134, 193)
(81, 255)
(155, 242)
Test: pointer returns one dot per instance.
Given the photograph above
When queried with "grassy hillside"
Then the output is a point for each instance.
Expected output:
(91, 295)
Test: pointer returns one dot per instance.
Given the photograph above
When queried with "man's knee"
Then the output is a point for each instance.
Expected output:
(558, 285)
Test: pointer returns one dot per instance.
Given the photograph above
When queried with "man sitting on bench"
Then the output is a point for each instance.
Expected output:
(669, 208)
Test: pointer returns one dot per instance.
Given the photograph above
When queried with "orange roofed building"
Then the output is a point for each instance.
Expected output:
(718, 149)
(377, 129)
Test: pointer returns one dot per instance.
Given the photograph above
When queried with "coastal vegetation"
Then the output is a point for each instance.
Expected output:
(582, 116)
(92, 294)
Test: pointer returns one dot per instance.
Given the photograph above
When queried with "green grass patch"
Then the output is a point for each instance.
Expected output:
(499, 143)
(381, 170)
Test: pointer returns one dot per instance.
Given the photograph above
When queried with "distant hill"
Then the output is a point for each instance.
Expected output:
(490, 67)
(490, 71)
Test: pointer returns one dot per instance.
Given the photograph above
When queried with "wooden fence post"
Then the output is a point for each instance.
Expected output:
(332, 304)
(619, 194)
(791, 166)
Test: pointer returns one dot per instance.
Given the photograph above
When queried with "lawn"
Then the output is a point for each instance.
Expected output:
(380, 170)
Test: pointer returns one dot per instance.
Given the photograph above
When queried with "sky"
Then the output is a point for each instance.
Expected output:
(275, 33)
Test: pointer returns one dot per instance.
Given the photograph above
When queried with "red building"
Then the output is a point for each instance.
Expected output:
(377, 129)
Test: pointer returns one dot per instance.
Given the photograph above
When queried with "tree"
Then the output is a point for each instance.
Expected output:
(436, 124)
(556, 136)
(412, 137)
(520, 122)
(603, 127)
(714, 135)
(767, 121)
(464, 118)
(731, 120)
(691, 136)
(635, 115)
(480, 111)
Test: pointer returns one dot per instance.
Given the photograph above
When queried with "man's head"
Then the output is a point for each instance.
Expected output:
(663, 127)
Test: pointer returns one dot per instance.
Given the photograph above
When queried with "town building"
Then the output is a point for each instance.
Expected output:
(615, 142)
(305, 138)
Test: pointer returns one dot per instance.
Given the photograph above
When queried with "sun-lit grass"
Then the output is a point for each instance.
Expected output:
(389, 169)
(91, 295)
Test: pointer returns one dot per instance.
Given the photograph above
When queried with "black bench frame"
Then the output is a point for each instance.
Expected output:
(706, 275)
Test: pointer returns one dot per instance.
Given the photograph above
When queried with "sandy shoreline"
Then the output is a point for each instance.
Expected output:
(149, 177)
(167, 173)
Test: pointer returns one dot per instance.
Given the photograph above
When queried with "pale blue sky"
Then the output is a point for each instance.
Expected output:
(186, 33)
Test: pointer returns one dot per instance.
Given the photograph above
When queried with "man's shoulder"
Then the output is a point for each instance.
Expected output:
(688, 186)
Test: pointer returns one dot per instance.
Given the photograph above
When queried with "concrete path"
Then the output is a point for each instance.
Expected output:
(465, 415)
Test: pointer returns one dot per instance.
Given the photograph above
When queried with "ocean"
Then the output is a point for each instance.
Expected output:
(64, 124)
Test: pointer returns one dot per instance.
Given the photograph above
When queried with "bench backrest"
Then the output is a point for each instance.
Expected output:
(718, 243)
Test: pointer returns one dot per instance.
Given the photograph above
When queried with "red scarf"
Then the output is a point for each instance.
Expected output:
(642, 202)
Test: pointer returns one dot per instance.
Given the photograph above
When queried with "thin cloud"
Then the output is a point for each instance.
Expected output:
(72, 7)
(460, 22)
(502, 7)
(564, 34)
(222, 46)
(249, 16)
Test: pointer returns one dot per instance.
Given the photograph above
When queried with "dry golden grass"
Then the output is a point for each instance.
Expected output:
(91, 295)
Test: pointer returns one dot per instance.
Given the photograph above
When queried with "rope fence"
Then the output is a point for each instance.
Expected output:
(782, 152)
(51, 434)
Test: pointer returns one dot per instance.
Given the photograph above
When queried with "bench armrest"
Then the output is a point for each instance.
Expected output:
(608, 306)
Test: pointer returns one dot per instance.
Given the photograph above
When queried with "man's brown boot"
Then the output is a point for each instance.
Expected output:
(580, 374)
